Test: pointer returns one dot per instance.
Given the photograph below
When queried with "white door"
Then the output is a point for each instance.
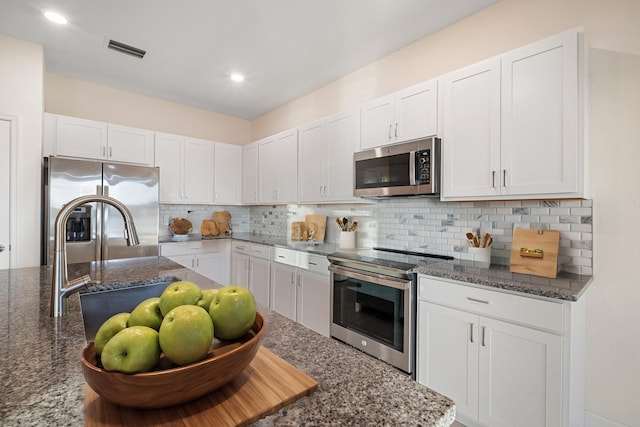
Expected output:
(377, 117)
(227, 173)
(5, 192)
(198, 171)
(169, 158)
(240, 270)
(471, 134)
(520, 376)
(250, 174)
(447, 352)
(259, 272)
(417, 112)
(314, 301)
(341, 141)
(283, 290)
(312, 162)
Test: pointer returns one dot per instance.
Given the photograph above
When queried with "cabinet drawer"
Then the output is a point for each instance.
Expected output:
(261, 251)
(313, 262)
(221, 245)
(180, 248)
(285, 256)
(240, 247)
(514, 308)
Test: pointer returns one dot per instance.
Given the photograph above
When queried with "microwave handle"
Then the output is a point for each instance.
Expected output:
(412, 168)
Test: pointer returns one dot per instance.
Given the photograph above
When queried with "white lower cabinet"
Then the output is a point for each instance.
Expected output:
(300, 288)
(251, 269)
(504, 359)
(210, 258)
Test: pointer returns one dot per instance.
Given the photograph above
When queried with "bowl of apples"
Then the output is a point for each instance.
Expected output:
(131, 364)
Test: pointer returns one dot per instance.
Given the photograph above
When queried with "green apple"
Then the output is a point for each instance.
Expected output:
(207, 297)
(147, 313)
(233, 312)
(134, 349)
(108, 329)
(179, 293)
(186, 334)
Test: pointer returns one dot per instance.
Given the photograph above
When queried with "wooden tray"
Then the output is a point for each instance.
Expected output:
(266, 385)
(535, 252)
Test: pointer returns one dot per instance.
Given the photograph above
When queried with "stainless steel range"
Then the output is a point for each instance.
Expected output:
(373, 305)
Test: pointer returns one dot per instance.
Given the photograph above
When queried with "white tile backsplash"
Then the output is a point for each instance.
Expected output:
(424, 224)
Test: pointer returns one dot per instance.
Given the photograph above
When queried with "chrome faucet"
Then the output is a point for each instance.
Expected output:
(61, 286)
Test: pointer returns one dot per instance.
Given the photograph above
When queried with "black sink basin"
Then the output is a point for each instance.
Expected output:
(98, 303)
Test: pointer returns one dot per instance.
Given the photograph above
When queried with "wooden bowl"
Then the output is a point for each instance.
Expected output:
(170, 385)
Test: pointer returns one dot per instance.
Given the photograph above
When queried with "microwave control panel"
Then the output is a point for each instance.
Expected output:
(423, 167)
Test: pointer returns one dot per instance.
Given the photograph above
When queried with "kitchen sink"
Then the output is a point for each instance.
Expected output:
(100, 302)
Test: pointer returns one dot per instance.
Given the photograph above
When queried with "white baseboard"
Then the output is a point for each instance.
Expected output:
(593, 420)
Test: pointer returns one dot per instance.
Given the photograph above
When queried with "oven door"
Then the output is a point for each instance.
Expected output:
(374, 313)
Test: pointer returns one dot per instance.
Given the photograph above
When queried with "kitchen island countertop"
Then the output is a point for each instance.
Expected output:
(42, 380)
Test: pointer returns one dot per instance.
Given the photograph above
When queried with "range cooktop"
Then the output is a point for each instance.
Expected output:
(400, 261)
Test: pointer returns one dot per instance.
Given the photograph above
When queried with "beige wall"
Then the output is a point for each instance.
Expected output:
(21, 76)
(78, 98)
(613, 35)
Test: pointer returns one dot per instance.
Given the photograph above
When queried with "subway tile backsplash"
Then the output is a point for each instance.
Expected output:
(425, 224)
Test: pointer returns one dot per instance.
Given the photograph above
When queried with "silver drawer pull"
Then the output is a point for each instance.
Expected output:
(312, 263)
(481, 301)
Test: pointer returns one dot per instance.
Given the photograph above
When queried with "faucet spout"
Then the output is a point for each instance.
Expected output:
(61, 286)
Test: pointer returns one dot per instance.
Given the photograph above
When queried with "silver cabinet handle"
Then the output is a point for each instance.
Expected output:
(493, 179)
(1, 248)
(481, 301)
(504, 177)
(471, 332)
(396, 129)
(390, 126)
(110, 152)
(483, 335)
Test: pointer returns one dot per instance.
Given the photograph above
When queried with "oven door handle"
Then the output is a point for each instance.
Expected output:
(379, 279)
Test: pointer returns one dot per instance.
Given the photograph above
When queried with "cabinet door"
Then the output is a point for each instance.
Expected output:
(130, 145)
(416, 112)
(471, 134)
(169, 158)
(314, 301)
(240, 270)
(227, 173)
(539, 134)
(250, 173)
(287, 167)
(81, 138)
(377, 118)
(447, 350)
(268, 171)
(259, 280)
(188, 261)
(341, 142)
(520, 376)
(312, 162)
(214, 265)
(198, 173)
(283, 290)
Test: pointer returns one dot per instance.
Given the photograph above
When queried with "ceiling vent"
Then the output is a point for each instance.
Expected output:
(125, 48)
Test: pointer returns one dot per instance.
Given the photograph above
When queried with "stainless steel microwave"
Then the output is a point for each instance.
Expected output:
(406, 169)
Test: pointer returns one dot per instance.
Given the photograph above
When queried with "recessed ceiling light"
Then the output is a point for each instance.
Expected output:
(55, 17)
(237, 77)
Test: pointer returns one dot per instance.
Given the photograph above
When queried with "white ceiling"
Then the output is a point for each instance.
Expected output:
(285, 48)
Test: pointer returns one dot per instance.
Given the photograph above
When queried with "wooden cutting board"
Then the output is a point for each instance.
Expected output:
(317, 223)
(266, 385)
(540, 255)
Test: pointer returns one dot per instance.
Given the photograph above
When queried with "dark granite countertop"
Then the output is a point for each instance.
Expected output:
(42, 381)
(566, 287)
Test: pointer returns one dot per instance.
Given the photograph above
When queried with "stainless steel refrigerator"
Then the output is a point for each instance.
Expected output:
(95, 232)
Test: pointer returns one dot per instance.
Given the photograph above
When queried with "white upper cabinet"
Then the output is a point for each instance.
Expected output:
(227, 173)
(278, 168)
(131, 145)
(88, 139)
(405, 115)
(512, 124)
(250, 173)
(186, 169)
(325, 158)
